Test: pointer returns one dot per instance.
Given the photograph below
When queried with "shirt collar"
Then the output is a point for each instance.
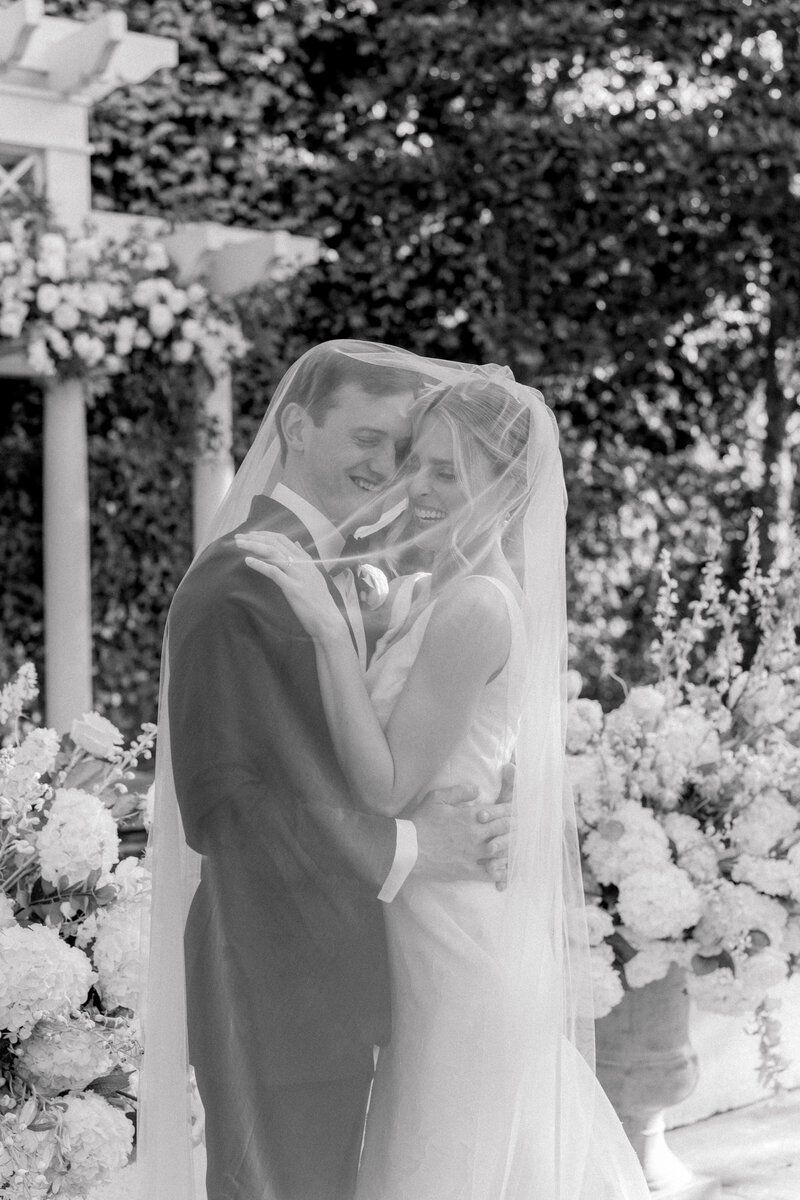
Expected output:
(327, 538)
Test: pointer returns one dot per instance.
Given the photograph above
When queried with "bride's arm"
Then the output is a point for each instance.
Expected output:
(466, 642)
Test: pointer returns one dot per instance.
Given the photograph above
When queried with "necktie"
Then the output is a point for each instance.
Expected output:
(345, 584)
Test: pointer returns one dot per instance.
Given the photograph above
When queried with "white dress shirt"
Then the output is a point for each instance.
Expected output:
(329, 542)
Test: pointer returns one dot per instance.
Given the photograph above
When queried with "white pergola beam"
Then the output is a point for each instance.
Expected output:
(17, 26)
(75, 61)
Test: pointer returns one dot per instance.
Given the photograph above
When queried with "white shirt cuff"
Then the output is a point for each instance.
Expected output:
(405, 856)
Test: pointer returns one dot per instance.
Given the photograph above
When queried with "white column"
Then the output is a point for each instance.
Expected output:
(213, 466)
(67, 578)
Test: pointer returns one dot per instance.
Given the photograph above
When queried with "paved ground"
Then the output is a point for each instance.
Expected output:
(753, 1151)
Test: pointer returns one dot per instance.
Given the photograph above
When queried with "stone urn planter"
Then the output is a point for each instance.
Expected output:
(646, 1064)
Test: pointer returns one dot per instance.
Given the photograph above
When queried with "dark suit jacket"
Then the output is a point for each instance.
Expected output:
(285, 948)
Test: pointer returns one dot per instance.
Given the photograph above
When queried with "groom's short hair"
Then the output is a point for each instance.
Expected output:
(327, 368)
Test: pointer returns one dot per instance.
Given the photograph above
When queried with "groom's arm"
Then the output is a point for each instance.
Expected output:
(252, 763)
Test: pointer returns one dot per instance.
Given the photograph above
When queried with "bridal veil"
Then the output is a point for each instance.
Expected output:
(536, 1070)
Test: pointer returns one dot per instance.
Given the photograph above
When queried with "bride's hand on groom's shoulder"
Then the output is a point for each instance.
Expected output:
(298, 576)
(460, 839)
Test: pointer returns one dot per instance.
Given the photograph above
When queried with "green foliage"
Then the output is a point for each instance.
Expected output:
(602, 196)
(140, 497)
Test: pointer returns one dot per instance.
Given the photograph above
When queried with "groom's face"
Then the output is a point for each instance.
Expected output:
(350, 456)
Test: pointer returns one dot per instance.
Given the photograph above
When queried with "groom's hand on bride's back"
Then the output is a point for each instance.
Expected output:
(461, 839)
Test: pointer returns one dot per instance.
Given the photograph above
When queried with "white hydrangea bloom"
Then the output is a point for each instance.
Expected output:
(774, 876)
(586, 777)
(659, 902)
(6, 911)
(763, 971)
(584, 724)
(652, 962)
(767, 819)
(16, 694)
(645, 705)
(38, 751)
(65, 1055)
(607, 990)
(79, 836)
(720, 992)
(731, 912)
(40, 976)
(119, 931)
(99, 1137)
(698, 853)
(790, 943)
(598, 923)
(26, 1159)
(630, 839)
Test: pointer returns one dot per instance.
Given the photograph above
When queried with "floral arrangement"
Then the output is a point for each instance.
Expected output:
(85, 305)
(71, 918)
(688, 797)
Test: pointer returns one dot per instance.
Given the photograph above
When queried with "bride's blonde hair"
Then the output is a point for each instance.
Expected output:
(490, 425)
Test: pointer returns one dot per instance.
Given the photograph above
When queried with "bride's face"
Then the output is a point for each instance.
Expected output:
(437, 496)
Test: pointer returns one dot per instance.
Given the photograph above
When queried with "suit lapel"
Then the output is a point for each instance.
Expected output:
(266, 513)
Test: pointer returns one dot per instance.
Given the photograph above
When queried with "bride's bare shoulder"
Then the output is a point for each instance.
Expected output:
(474, 612)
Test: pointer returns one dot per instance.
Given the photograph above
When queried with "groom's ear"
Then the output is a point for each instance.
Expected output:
(294, 420)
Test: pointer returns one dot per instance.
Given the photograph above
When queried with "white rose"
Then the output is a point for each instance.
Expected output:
(373, 586)
(94, 301)
(178, 301)
(12, 321)
(89, 349)
(53, 243)
(182, 351)
(192, 330)
(160, 320)
(156, 258)
(66, 317)
(646, 704)
(39, 359)
(146, 293)
(97, 735)
(196, 294)
(48, 297)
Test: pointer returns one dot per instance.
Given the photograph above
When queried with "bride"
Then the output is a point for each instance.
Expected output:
(486, 1090)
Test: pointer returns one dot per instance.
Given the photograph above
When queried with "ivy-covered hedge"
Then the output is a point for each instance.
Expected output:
(140, 496)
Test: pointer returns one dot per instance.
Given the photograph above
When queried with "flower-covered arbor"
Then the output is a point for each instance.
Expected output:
(67, 301)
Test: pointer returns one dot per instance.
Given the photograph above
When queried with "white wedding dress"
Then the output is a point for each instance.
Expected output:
(438, 1094)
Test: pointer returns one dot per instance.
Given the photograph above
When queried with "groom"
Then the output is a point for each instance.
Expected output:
(287, 974)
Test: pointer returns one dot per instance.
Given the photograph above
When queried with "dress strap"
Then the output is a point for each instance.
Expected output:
(515, 608)
(404, 598)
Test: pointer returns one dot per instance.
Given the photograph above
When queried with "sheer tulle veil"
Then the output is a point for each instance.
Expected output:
(536, 1064)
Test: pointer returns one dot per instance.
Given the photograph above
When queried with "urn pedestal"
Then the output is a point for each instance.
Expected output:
(645, 1064)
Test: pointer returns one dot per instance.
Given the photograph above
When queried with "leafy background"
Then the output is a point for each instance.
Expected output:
(605, 197)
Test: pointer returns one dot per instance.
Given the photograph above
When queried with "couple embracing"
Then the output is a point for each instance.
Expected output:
(335, 868)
